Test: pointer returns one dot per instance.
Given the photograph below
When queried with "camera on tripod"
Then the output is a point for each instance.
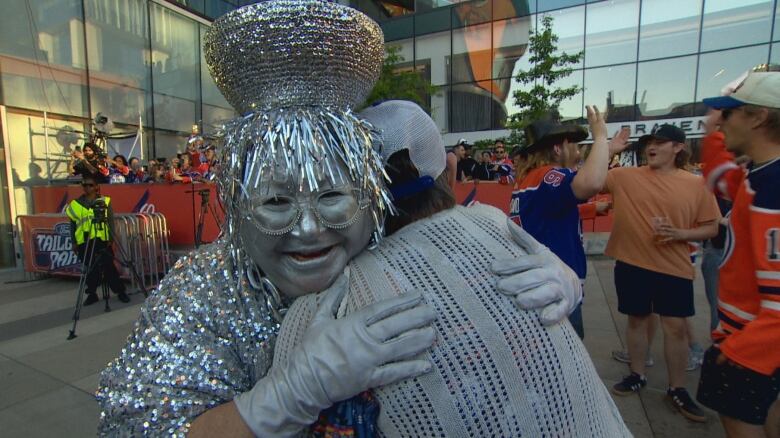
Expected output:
(100, 211)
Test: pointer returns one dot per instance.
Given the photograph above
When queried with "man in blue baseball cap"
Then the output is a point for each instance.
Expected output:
(739, 377)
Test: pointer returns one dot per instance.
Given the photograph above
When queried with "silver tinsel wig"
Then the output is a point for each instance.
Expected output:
(295, 70)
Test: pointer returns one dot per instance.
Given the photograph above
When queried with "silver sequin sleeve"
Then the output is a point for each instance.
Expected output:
(202, 337)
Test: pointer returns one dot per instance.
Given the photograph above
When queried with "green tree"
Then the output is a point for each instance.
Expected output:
(399, 83)
(547, 67)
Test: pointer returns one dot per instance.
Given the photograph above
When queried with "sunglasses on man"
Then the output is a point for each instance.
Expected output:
(88, 184)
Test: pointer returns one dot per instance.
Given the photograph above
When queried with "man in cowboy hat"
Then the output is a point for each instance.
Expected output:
(549, 189)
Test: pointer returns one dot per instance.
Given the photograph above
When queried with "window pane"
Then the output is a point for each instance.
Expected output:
(471, 107)
(168, 144)
(433, 52)
(440, 106)
(434, 21)
(611, 32)
(510, 42)
(775, 59)
(398, 29)
(175, 69)
(665, 89)
(549, 5)
(611, 88)
(44, 64)
(728, 23)
(469, 13)
(119, 65)
(717, 69)
(512, 8)
(571, 108)
(669, 28)
(776, 35)
(215, 108)
(471, 54)
(569, 25)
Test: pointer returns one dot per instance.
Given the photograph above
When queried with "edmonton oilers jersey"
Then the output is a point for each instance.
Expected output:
(544, 204)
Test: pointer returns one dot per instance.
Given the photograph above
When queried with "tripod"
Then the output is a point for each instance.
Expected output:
(88, 264)
(205, 206)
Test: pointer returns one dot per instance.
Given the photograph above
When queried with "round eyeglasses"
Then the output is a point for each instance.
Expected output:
(336, 208)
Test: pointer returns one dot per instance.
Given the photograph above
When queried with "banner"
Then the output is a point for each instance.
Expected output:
(48, 245)
(182, 205)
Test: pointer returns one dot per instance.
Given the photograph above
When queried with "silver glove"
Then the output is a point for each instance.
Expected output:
(538, 280)
(338, 359)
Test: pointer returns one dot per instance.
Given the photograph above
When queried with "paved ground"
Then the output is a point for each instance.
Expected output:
(47, 382)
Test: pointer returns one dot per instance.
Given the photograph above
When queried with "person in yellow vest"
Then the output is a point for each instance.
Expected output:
(86, 230)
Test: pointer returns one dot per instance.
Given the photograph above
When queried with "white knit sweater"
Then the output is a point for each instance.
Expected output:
(497, 371)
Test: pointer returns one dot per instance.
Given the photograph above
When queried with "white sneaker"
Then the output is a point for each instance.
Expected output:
(622, 356)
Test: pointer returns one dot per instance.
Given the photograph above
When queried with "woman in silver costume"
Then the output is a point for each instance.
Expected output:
(496, 370)
(304, 192)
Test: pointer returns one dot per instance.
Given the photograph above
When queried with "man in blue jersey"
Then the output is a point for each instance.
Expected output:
(549, 188)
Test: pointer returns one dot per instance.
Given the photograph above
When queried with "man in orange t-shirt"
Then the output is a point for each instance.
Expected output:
(659, 208)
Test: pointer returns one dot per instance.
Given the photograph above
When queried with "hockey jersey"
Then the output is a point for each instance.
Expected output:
(544, 204)
(749, 283)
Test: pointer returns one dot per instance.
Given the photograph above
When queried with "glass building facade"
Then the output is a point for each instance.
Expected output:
(139, 62)
(644, 60)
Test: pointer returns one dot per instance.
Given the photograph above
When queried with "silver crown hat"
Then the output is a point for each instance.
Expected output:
(295, 70)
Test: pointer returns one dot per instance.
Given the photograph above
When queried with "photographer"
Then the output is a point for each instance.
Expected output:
(89, 162)
(92, 222)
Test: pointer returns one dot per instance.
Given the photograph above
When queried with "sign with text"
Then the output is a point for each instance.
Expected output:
(48, 245)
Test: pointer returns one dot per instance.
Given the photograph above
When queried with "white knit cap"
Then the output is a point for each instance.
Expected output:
(404, 125)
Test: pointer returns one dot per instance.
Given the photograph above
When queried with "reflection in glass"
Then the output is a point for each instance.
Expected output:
(398, 29)
(42, 58)
(611, 32)
(433, 51)
(119, 64)
(471, 54)
(167, 144)
(571, 108)
(669, 28)
(665, 89)
(718, 69)
(512, 8)
(729, 23)
(469, 13)
(611, 88)
(776, 35)
(510, 42)
(433, 21)
(175, 69)
(569, 26)
(549, 5)
(471, 107)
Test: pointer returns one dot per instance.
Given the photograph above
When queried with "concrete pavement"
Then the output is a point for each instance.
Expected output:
(47, 382)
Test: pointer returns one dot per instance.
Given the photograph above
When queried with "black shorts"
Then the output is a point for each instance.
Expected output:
(642, 292)
(734, 391)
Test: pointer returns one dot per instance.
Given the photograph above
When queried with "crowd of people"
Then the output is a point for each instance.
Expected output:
(661, 206)
(196, 163)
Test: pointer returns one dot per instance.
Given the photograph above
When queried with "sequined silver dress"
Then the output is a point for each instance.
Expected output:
(202, 337)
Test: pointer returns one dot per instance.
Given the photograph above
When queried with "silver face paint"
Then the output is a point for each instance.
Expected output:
(302, 240)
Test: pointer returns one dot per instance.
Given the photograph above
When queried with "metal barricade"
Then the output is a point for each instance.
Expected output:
(140, 246)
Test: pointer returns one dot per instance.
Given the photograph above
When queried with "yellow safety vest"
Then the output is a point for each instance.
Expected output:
(82, 218)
